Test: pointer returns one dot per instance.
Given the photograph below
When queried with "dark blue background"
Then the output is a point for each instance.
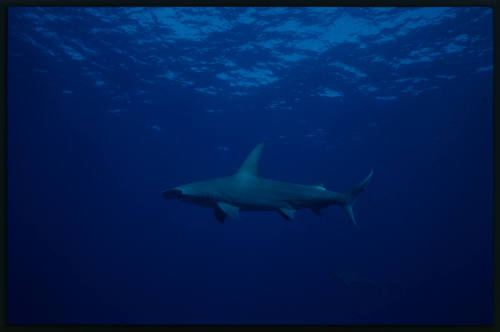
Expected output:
(91, 240)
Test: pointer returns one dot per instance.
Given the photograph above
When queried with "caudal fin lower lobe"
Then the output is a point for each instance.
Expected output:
(351, 196)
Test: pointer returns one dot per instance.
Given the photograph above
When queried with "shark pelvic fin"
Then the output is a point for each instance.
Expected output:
(251, 164)
(219, 214)
(287, 213)
(230, 210)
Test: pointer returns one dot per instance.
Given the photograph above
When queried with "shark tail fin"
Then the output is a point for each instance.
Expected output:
(351, 196)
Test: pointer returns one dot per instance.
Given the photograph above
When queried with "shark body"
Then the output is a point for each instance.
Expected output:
(246, 190)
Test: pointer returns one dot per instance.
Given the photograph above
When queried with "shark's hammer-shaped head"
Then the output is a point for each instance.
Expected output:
(196, 193)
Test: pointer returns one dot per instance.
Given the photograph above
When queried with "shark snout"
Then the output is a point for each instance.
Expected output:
(172, 193)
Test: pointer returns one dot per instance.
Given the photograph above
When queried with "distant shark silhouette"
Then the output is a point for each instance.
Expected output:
(352, 279)
(248, 191)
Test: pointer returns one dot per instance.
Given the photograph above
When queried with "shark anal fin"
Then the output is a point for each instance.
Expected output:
(220, 215)
(316, 211)
(230, 210)
(287, 213)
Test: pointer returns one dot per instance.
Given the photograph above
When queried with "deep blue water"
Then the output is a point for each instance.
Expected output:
(107, 107)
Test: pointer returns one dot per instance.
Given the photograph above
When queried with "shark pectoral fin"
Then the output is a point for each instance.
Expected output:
(230, 210)
(287, 213)
(220, 215)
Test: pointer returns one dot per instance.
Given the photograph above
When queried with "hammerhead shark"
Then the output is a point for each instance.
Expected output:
(246, 190)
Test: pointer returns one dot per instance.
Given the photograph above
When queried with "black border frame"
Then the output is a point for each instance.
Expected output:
(4, 4)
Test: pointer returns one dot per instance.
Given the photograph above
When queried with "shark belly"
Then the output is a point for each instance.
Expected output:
(266, 195)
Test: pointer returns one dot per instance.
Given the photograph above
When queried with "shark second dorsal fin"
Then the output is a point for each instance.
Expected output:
(320, 185)
(251, 165)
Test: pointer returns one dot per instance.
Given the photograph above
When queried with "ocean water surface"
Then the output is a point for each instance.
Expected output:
(108, 107)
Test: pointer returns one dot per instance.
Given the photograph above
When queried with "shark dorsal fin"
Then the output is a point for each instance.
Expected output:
(251, 165)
